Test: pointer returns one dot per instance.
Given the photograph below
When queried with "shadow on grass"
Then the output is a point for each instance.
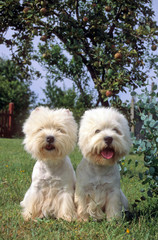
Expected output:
(148, 211)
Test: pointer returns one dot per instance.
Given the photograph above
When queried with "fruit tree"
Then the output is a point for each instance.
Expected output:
(106, 39)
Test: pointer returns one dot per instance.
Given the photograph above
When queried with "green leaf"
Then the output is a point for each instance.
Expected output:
(151, 170)
(156, 124)
(133, 93)
(129, 161)
(148, 145)
(149, 193)
(152, 123)
(146, 181)
(142, 197)
(143, 117)
(10, 13)
(142, 190)
(110, 72)
(147, 28)
(154, 87)
(140, 176)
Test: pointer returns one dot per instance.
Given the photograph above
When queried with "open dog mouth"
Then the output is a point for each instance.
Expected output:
(107, 153)
(49, 147)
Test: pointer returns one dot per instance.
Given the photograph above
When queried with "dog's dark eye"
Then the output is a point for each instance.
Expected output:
(97, 131)
(117, 131)
(60, 130)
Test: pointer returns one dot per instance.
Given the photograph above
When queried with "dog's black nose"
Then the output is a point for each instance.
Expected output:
(108, 140)
(50, 139)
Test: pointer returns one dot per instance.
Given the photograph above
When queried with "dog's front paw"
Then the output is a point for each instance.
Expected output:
(26, 215)
(82, 219)
(113, 215)
(68, 218)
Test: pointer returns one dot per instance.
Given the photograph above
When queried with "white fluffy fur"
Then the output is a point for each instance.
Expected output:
(98, 192)
(51, 193)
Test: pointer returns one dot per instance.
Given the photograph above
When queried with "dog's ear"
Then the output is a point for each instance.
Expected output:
(36, 110)
(68, 111)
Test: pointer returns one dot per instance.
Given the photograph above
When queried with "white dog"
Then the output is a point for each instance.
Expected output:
(50, 135)
(104, 138)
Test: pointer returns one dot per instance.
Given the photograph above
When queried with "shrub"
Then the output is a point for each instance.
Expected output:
(147, 109)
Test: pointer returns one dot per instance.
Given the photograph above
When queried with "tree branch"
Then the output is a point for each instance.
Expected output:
(77, 14)
(113, 26)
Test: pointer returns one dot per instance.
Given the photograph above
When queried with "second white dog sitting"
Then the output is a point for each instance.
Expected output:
(50, 135)
(104, 138)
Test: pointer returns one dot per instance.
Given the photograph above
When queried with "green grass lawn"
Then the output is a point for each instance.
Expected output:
(15, 177)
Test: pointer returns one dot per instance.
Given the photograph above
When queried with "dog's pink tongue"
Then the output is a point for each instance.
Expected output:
(107, 153)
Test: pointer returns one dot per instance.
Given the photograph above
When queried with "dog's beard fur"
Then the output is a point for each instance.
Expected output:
(104, 138)
(50, 135)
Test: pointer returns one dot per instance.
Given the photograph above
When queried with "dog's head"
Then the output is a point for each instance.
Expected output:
(104, 136)
(50, 134)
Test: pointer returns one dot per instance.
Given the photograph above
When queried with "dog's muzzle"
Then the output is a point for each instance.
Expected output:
(108, 152)
(50, 140)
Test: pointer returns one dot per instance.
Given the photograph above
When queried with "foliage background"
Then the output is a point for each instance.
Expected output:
(147, 143)
(79, 40)
(14, 88)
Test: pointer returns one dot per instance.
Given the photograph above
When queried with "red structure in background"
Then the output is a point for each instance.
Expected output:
(6, 121)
